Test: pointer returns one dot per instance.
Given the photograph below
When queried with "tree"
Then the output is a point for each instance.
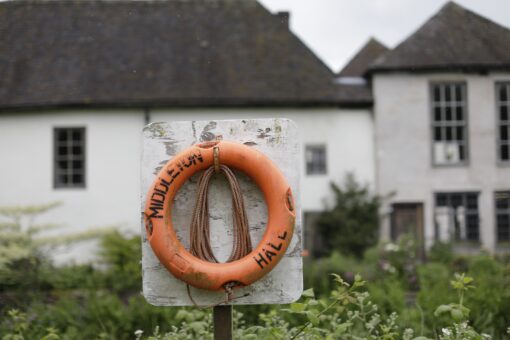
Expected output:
(351, 225)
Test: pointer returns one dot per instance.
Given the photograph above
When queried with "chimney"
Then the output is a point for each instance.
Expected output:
(284, 18)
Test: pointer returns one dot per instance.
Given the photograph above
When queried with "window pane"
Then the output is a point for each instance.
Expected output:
(456, 200)
(504, 152)
(502, 200)
(472, 227)
(77, 135)
(503, 95)
(77, 165)
(437, 93)
(437, 114)
(448, 113)
(503, 215)
(503, 131)
(62, 151)
(503, 112)
(63, 179)
(62, 165)
(447, 93)
(462, 152)
(460, 133)
(472, 201)
(441, 200)
(61, 135)
(449, 135)
(437, 134)
(76, 150)
(458, 93)
(459, 113)
(77, 178)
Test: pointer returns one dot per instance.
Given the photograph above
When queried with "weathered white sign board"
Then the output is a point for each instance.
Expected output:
(278, 140)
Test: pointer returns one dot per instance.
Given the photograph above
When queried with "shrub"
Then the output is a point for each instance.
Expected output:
(351, 225)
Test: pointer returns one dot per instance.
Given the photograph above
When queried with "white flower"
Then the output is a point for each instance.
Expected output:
(138, 332)
(446, 331)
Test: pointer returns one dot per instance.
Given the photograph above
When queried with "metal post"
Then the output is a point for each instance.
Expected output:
(222, 316)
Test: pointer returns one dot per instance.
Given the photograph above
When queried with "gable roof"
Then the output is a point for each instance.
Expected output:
(155, 53)
(455, 39)
(359, 64)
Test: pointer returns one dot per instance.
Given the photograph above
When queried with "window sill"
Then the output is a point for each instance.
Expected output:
(467, 247)
(503, 247)
(446, 166)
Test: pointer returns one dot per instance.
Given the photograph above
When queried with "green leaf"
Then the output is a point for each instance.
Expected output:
(313, 318)
(457, 314)
(442, 309)
(309, 293)
(181, 315)
(297, 307)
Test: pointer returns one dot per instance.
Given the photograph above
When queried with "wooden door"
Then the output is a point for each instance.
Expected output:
(407, 219)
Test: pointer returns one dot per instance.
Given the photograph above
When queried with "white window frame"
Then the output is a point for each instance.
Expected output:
(316, 165)
(502, 213)
(453, 219)
(503, 124)
(69, 157)
(448, 147)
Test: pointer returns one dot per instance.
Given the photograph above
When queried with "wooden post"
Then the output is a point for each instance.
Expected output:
(222, 318)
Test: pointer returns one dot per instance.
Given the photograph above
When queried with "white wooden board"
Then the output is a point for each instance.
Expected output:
(277, 139)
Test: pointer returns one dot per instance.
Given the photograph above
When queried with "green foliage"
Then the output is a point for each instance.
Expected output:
(441, 252)
(103, 301)
(121, 256)
(351, 225)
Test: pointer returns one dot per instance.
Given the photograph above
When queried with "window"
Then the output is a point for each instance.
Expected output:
(502, 199)
(315, 160)
(503, 107)
(69, 158)
(449, 123)
(457, 216)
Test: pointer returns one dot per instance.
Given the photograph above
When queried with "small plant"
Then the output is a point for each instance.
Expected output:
(457, 311)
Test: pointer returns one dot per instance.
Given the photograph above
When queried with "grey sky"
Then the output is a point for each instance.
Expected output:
(336, 29)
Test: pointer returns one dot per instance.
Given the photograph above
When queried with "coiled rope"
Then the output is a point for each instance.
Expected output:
(200, 236)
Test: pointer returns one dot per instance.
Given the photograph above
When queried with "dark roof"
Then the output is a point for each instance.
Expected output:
(155, 53)
(359, 64)
(455, 39)
(355, 95)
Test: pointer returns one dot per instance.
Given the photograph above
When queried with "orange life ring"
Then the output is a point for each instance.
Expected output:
(214, 276)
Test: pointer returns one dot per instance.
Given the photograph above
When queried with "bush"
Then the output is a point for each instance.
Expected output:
(347, 313)
(351, 225)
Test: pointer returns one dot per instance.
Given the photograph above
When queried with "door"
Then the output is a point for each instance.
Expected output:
(407, 219)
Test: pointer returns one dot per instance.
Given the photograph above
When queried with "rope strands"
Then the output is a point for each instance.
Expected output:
(200, 242)
(200, 239)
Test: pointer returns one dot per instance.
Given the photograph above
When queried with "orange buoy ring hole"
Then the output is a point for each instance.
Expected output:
(214, 276)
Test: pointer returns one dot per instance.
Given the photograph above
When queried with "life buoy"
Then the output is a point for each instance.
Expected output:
(214, 276)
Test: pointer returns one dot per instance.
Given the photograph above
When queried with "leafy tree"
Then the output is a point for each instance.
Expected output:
(351, 225)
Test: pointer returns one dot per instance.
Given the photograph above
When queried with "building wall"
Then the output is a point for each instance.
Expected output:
(347, 134)
(404, 147)
(113, 147)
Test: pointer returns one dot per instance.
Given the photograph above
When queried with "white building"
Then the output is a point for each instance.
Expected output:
(79, 83)
(442, 98)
